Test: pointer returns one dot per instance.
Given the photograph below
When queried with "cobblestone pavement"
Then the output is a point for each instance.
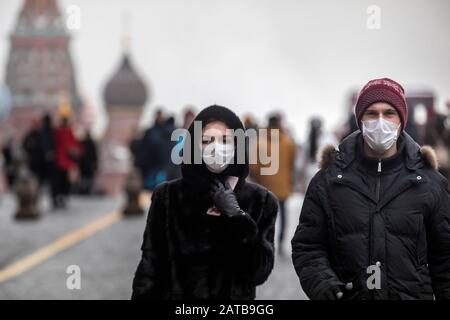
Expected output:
(283, 283)
(107, 259)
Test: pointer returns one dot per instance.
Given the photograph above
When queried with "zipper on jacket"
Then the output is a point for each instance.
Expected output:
(371, 231)
(377, 191)
(378, 181)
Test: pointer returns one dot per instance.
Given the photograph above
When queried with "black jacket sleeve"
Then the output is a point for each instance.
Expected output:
(151, 274)
(310, 247)
(254, 241)
(438, 234)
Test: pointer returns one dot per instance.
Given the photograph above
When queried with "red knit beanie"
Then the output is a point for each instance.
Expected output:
(382, 90)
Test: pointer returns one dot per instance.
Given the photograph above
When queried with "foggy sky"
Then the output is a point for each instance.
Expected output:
(254, 56)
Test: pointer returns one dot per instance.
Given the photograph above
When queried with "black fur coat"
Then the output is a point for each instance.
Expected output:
(187, 254)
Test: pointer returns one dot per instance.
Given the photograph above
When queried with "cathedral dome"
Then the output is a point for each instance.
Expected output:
(126, 88)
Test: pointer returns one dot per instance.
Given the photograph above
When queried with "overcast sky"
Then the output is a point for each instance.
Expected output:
(254, 56)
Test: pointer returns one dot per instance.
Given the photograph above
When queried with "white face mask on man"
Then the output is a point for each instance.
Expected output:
(380, 134)
(217, 156)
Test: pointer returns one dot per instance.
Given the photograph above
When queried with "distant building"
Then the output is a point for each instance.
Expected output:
(5, 101)
(125, 96)
(39, 71)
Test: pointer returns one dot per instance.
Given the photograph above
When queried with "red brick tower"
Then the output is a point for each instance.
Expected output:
(39, 69)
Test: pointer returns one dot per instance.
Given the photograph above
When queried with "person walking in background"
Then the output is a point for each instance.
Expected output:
(251, 130)
(281, 183)
(188, 118)
(447, 137)
(317, 139)
(136, 149)
(375, 221)
(48, 144)
(88, 164)
(68, 153)
(209, 234)
(153, 152)
(172, 170)
(250, 123)
(11, 159)
(438, 136)
(34, 154)
(189, 115)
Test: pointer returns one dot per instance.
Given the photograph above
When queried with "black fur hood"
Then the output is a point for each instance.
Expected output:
(197, 175)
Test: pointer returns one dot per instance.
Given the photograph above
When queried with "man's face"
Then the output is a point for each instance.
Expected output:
(382, 110)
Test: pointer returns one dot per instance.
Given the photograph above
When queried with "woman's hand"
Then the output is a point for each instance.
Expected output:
(224, 198)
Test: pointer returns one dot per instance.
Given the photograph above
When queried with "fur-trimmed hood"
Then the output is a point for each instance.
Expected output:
(197, 176)
(416, 156)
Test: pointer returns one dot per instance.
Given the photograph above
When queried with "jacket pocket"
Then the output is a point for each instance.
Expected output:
(427, 289)
(421, 243)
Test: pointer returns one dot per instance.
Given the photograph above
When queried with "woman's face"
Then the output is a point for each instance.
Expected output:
(217, 146)
(216, 132)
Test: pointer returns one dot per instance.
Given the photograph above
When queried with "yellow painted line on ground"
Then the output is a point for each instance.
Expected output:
(68, 240)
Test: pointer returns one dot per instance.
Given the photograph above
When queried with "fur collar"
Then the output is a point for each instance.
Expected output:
(427, 154)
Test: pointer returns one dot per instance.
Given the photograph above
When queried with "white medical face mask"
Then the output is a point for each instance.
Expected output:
(217, 156)
(380, 134)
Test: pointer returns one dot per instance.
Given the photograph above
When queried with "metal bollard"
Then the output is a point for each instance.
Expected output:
(27, 193)
(133, 189)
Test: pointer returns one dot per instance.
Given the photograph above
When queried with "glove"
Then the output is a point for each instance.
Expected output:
(224, 198)
(337, 292)
(241, 226)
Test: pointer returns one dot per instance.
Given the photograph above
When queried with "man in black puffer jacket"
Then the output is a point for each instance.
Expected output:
(375, 222)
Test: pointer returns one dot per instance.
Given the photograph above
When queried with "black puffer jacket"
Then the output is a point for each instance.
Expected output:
(354, 216)
(187, 254)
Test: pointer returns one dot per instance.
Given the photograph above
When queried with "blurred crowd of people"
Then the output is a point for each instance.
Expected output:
(151, 149)
(64, 163)
(55, 157)
(282, 183)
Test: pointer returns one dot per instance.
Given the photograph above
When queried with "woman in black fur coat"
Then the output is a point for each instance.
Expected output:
(209, 234)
